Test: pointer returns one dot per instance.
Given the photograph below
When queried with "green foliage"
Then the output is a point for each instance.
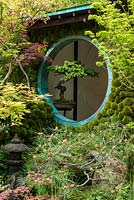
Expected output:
(22, 112)
(48, 163)
(130, 164)
(40, 116)
(12, 108)
(72, 69)
(15, 18)
(127, 119)
(114, 106)
(115, 37)
(3, 168)
(70, 3)
(131, 125)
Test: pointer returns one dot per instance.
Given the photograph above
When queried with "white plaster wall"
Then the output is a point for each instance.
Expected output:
(91, 91)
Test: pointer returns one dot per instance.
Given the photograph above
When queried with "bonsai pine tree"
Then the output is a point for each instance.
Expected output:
(70, 70)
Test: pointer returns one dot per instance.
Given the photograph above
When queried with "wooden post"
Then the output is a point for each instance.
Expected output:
(75, 85)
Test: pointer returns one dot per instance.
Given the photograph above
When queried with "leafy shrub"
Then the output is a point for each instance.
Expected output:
(22, 112)
(40, 116)
(3, 168)
(114, 28)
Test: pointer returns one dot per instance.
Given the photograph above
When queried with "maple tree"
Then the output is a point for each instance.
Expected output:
(15, 17)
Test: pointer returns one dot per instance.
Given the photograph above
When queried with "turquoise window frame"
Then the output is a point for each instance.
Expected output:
(43, 80)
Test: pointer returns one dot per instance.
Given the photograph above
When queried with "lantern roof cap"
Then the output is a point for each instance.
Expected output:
(15, 145)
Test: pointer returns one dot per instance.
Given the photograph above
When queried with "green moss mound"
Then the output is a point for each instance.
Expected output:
(40, 117)
(120, 103)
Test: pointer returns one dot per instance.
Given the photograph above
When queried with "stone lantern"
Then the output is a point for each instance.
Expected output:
(15, 150)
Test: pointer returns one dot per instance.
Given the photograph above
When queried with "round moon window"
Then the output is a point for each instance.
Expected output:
(84, 97)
